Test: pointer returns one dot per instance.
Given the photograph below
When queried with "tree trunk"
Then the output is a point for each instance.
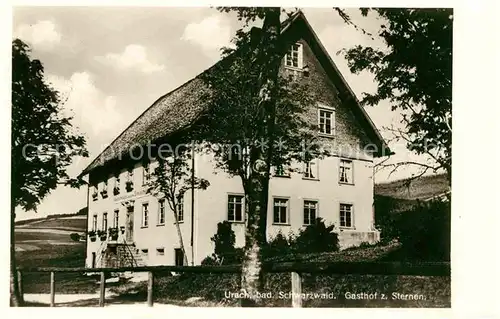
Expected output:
(15, 298)
(251, 272)
(256, 190)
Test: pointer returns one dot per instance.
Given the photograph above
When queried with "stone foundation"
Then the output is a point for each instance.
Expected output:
(350, 238)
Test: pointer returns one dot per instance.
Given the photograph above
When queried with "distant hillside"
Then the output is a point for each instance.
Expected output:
(51, 220)
(421, 188)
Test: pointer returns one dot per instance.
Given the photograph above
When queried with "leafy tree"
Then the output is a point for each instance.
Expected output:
(247, 97)
(43, 142)
(172, 178)
(414, 74)
(424, 231)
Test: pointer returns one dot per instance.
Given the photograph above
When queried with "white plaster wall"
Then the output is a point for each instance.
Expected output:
(152, 237)
(327, 191)
(211, 208)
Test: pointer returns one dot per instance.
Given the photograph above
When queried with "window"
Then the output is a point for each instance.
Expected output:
(346, 172)
(94, 222)
(145, 215)
(105, 221)
(180, 209)
(145, 252)
(116, 188)
(280, 211)
(310, 211)
(325, 121)
(311, 170)
(94, 192)
(115, 219)
(146, 176)
(235, 208)
(160, 251)
(130, 180)
(161, 212)
(293, 57)
(281, 171)
(345, 215)
(179, 257)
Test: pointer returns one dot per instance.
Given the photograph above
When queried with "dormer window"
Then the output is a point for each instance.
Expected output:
(146, 177)
(116, 187)
(129, 185)
(104, 191)
(94, 192)
(293, 57)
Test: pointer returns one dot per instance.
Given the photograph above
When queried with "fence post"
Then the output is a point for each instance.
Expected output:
(296, 290)
(102, 289)
(52, 289)
(20, 286)
(150, 288)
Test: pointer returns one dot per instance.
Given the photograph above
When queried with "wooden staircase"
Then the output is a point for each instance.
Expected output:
(122, 255)
(114, 254)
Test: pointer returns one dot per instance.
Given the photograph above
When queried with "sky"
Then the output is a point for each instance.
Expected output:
(112, 63)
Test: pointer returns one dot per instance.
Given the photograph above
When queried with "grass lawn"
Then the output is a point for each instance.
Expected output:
(49, 255)
(211, 289)
(330, 290)
(41, 237)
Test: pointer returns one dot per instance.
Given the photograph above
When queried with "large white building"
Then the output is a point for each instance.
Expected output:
(338, 188)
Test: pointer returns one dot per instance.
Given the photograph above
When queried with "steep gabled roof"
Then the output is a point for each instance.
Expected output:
(181, 107)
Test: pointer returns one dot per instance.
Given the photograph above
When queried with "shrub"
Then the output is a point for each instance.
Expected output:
(386, 212)
(278, 246)
(224, 251)
(316, 238)
(75, 236)
(424, 231)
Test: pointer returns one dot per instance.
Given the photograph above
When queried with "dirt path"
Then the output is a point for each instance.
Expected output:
(86, 300)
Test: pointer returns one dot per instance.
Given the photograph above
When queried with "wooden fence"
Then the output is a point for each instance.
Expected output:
(296, 270)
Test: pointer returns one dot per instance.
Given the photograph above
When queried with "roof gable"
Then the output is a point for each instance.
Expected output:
(181, 107)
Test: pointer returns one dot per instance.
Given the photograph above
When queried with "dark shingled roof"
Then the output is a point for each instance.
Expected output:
(181, 107)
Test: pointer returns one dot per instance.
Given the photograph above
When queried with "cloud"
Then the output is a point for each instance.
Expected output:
(42, 35)
(211, 34)
(94, 112)
(134, 56)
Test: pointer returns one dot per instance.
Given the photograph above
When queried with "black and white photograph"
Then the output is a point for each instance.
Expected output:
(231, 157)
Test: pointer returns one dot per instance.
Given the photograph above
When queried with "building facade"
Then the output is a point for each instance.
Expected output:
(140, 228)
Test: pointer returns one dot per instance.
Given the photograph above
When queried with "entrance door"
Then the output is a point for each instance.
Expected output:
(129, 228)
(93, 259)
(179, 257)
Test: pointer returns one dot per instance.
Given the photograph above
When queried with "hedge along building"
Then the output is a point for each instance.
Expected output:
(337, 188)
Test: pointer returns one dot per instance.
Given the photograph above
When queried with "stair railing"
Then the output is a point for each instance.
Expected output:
(133, 262)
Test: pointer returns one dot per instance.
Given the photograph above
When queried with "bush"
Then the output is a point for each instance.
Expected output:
(75, 236)
(224, 251)
(278, 246)
(386, 213)
(316, 238)
(424, 231)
